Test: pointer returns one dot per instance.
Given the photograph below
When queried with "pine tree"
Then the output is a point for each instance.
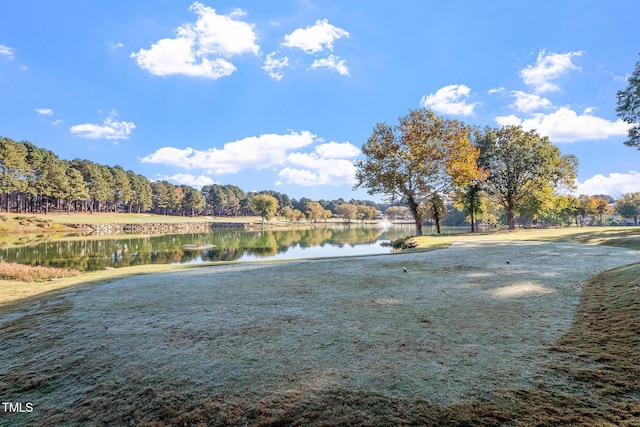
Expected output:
(14, 168)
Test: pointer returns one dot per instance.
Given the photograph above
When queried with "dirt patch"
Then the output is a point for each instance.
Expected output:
(251, 340)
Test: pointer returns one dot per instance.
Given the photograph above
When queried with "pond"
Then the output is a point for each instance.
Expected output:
(91, 254)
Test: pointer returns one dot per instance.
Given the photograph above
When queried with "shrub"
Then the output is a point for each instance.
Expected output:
(400, 243)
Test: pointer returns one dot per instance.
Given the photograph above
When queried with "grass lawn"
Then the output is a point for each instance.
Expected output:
(627, 237)
(461, 338)
(134, 218)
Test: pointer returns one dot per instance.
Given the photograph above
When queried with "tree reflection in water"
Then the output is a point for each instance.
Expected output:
(90, 254)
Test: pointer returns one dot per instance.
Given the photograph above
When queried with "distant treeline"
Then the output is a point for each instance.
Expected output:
(33, 179)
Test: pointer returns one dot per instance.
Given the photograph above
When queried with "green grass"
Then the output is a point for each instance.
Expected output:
(623, 237)
(626, 237)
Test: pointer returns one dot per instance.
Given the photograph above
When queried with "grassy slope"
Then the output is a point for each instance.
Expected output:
(599, 361)
(596, 380)
(29, 224)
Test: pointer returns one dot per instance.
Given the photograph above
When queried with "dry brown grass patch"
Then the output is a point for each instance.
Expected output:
(28, 273)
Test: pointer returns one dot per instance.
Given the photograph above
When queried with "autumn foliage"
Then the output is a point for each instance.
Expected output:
(417, 161)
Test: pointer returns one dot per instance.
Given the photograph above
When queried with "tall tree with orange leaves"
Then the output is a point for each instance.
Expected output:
(417, 161)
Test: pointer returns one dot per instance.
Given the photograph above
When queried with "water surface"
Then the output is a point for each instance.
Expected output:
(90, 254)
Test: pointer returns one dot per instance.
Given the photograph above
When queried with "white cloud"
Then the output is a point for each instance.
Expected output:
(172, 156)
(44, 111)
(328, 164)
(7, 51)
(449, 100)
(273, 66)
(315, 38)
(622, 79)
(332, 62)
(311, 40)
(175, 56)
(510, 120)
(314, 170)
(110, 129)
(527, 102)
(201, 49)
(495, 90)
(188, 179)
(248, 153)
(565, 125)
(614, 185)
(298, 176)
(337, 150)
(115, 45)
(57, 122)
(547, 68)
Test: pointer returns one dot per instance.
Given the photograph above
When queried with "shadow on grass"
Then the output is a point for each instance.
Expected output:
(622, 238)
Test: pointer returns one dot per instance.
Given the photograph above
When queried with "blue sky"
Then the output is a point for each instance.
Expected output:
(282, 94)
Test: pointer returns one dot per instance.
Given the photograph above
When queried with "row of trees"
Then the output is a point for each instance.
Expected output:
(267, 206)
(426, 160)
(558, 210)
(33, 179)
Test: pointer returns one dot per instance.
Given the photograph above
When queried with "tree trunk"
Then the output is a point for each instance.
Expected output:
(473, 214)
(436, 216)
(511, 220)
(413, 206)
